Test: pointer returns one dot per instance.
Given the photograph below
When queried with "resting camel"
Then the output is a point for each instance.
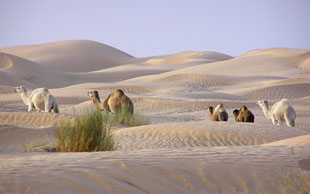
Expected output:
(281, 111)
(243, 115)
(40, 99)
(118, 102)
(217, 114)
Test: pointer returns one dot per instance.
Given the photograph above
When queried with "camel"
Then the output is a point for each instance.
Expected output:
(217, 114)
(94, 96)
(40, 99)
(96, 100)
(281, 111)
(243, 115)
(118, 102)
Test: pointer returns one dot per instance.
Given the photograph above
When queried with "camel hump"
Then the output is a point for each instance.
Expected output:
(41, 90)
(119, 92)
(284, 102)
(243, 108)
(219, 108)
(45, 90)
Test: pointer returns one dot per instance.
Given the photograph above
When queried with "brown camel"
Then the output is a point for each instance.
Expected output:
(118, 102)
(243, 115)
(94, 96)
(217, 115)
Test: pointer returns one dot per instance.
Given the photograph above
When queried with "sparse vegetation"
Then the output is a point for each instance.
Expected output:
(39, 147)
(296, 181)
(130, 119)
(91, 132)
(44, 145)
(299, 181)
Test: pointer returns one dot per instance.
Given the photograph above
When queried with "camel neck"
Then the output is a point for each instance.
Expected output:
(25, 98)
(96, 101)
(266, 111)
(210, 114)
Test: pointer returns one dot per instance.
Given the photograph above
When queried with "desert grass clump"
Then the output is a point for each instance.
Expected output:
(299, 181)
(88, 133)
(130, 119)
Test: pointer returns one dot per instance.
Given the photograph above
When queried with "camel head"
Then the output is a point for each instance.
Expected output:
(94, 95)
(236, 113)
(210, 109)
(20, 89)
(263, 103)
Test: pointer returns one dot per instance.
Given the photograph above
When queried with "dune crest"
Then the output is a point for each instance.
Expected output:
(5, 61)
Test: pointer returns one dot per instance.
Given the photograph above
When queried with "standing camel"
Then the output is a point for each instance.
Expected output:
(40, 99)
(280, 112)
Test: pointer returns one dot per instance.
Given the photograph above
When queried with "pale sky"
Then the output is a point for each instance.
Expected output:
(156, 27)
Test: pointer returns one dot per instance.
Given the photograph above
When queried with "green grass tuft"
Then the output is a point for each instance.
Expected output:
(91, 132)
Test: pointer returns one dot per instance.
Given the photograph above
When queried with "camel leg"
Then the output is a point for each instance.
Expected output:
(274, 121)
(290, 122)
(30, 107)
(48, 105)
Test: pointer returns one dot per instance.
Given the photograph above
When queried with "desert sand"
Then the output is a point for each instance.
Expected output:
(181, 151)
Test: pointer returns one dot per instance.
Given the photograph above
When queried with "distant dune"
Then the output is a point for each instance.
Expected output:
(181, 151)
(72, 55)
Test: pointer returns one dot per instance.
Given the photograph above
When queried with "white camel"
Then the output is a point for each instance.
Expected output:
(280, 112)
(40, 99)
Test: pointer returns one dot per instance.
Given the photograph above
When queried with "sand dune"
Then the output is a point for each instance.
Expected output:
(32, 119)
(22, 136)
(181, 151)
(202, 134)
(289, 91)
(71, 55)
(261, 64)
(197, 170)
(34, 73)
(300, 141)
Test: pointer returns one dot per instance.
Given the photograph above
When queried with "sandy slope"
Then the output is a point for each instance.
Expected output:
(182, 151)
(196, 170)
(71, 55)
